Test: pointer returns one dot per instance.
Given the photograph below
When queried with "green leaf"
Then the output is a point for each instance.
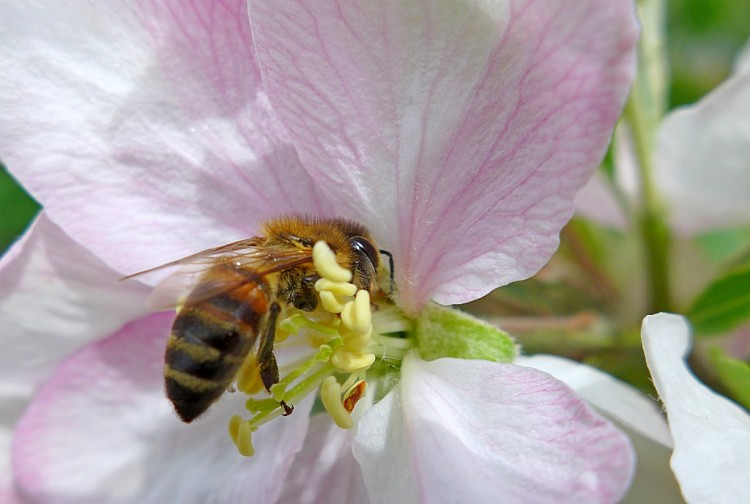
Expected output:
(16, 209)
(446, 332)
(734, 374)
(723, 305)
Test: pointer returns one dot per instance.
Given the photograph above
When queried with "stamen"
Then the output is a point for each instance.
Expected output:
(330, 396)
(348, 361)
(354, 394)
(346, 333)
(325, 264)
(354, 341)
(330, 302)
(357, 314)
(241, 434)
(337, 288)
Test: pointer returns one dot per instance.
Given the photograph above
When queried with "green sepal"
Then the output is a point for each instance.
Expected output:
(447, 332)
(734, 374)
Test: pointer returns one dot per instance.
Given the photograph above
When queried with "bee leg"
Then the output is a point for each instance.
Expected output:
(269, 369)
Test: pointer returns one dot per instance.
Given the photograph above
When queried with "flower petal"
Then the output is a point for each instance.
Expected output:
(101, 431)
(616, 399)
(636, 414)
(701, 160)
(711, 434)
(325, 471)
(459, 132)
(54, 297)
(475, 431)
(142, 126)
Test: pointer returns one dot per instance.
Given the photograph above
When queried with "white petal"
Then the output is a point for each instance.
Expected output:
(54, 297)
(102, 431)
(711, 434)
(380, 447)
(701, 159)
(325, 470)
(654, 480)
(142, 127)
(742, 61)
(637, 414)
(616, 399)
(475, 431)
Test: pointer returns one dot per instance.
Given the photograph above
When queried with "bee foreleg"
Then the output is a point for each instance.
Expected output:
(269, 370)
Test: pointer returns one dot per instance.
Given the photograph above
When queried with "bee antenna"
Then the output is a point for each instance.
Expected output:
(390, 266)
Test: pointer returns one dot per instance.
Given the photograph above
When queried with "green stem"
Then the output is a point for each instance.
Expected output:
(651, 218)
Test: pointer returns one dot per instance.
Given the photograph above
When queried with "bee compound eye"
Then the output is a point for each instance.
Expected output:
(364, 246)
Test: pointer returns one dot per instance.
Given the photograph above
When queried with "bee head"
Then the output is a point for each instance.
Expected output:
(366, 262)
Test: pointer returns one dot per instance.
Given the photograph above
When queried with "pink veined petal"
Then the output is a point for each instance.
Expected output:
(476, 431)
(701, 160)
(102, 431)
(325, 471)
(459, 132)
(636, 414)
(142, 126)
(54, 298)
(616, 399)
(711, 434)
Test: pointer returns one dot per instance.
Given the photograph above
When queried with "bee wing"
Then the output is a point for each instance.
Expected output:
(190, 276)
(206, 256)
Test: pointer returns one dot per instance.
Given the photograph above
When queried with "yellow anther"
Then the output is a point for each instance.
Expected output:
(325, 264)
(337, 288)
(330, 396)
(357, 314)
(330, 302)
(354, 341)
(354, 394)
(349, 361)
(241, 434)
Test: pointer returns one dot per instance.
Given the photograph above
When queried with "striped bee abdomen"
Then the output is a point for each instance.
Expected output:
(210, 339)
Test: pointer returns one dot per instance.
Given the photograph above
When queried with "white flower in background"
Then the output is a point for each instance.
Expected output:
(701, 169)
(711, 434)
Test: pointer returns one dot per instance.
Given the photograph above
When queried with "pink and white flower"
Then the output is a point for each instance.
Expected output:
(459, 134)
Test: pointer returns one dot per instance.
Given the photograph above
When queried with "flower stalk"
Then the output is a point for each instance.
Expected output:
(643, 112)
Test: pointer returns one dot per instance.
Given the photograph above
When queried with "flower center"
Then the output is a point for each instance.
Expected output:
(355, 343)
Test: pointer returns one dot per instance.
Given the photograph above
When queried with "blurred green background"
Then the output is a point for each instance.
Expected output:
(17, 209)
(703, 36)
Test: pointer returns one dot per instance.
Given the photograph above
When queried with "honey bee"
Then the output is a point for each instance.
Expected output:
(238, 294)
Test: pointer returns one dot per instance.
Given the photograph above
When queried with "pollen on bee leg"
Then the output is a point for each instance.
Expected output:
(330, 396)
(325, 263)
(248, 377)
(241, 433)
